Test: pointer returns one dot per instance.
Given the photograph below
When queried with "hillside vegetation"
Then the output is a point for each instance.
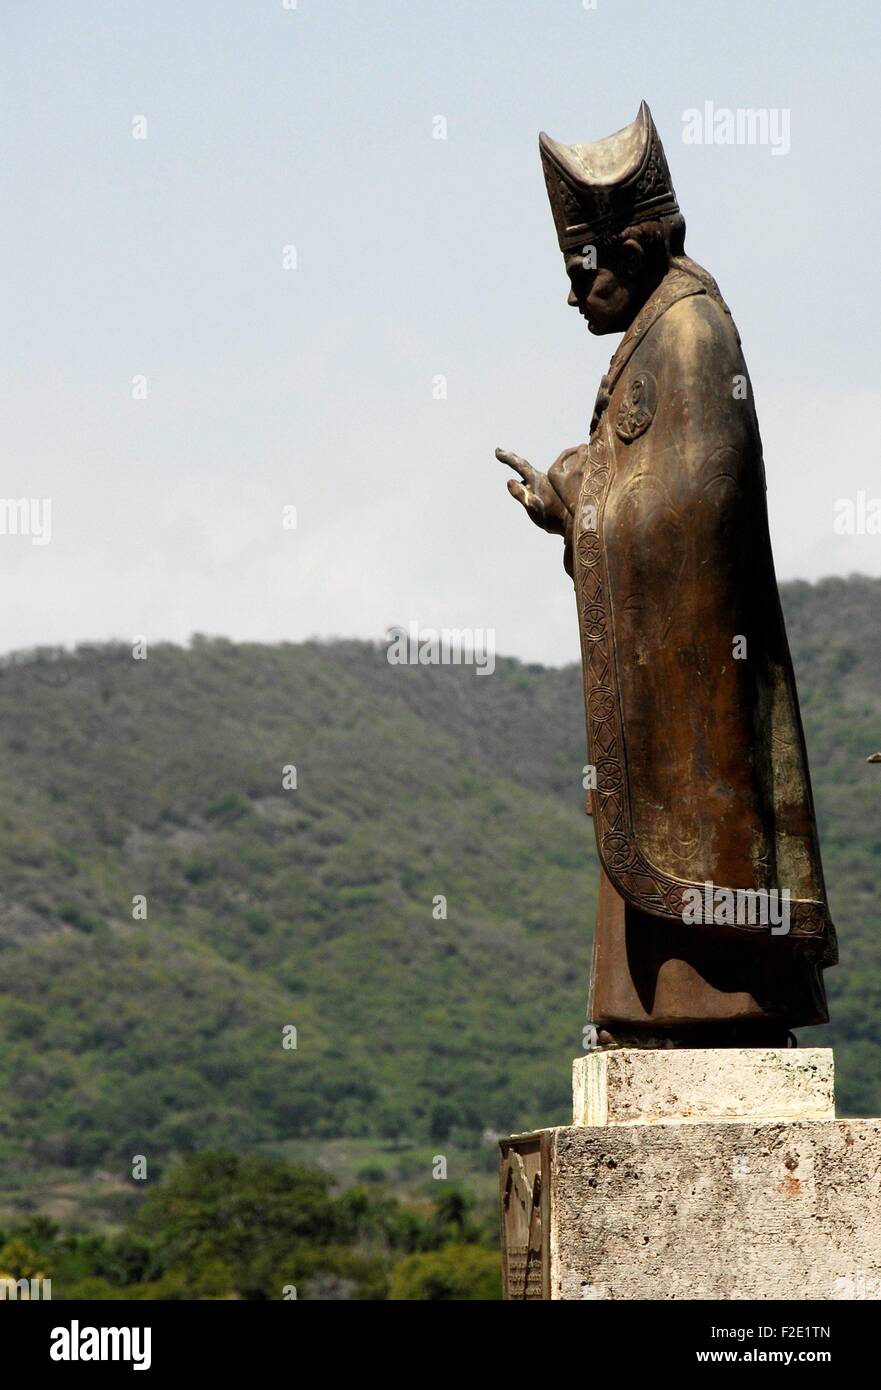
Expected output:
(313, 907)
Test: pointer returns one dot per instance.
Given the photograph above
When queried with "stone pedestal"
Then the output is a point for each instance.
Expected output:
(709, 1174)
(635, 1086)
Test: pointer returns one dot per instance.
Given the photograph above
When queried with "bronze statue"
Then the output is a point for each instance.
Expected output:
(702, 802)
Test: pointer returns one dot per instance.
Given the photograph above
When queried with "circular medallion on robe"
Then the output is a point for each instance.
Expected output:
(637, 408)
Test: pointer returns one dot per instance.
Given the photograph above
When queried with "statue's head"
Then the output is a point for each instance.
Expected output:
(611, 279)
(618, 222)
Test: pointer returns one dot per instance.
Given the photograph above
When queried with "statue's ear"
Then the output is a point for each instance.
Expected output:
(631, 258)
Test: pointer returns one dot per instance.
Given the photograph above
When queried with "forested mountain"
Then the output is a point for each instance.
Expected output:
(163, 779)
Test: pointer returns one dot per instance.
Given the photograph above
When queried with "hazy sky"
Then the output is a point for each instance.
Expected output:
(416, 257)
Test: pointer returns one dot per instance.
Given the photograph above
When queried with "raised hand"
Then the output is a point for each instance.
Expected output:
(566, 475)
(536, 494)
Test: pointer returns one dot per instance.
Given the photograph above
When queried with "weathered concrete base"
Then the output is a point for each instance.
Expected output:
(638, 1086)
(788, 1210)
(665, 1192)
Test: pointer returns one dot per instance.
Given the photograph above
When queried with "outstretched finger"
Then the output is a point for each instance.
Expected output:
(518, 464)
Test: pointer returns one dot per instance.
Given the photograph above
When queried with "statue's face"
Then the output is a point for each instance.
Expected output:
(610, 296)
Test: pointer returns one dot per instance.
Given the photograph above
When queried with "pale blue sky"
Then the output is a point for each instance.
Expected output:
(416, 257)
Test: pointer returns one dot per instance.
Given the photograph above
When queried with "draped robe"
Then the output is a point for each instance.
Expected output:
(691, 707)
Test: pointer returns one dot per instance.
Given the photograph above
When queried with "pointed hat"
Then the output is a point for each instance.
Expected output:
(597, 190)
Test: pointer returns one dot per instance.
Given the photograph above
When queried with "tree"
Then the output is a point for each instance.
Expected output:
(455, 1273)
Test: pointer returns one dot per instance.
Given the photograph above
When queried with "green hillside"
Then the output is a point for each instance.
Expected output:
(313, 907)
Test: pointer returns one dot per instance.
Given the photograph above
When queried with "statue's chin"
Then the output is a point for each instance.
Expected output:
(601, 330)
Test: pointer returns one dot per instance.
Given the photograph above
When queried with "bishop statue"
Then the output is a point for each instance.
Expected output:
(712, 925)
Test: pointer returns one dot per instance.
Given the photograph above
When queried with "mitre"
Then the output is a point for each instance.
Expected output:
(597, 190)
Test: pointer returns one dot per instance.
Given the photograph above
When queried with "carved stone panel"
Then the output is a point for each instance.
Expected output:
(524, 1191)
